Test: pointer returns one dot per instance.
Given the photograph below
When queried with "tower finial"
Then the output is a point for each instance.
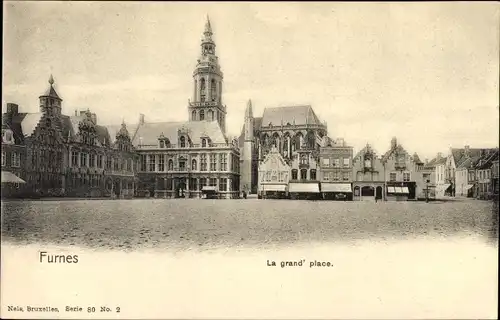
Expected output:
(51, 79)
(208, 27)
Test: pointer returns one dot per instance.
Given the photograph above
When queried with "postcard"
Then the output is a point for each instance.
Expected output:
(275, 160)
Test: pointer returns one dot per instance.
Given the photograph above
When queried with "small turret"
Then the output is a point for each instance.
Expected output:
(249, 122)
(50, 102)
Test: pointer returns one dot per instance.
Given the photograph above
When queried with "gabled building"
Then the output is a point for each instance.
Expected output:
(60, 155)
(404, 174)
(438, 165)
(484, 186)
(274, 175)
(368, 175)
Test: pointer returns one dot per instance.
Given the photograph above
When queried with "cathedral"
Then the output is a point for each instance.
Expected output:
(292, 133)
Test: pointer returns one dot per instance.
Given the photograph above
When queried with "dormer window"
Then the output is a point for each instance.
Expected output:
(162, 144)
(7, 136)
(182, 141)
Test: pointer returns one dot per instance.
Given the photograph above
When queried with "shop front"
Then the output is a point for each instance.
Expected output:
(304, 190)
(274, 191)
(336, 191)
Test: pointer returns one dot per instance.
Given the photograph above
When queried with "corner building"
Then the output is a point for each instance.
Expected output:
(182, 159)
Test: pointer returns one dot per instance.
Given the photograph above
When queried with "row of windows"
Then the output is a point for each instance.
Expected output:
(83, 160)
(15, 159)
(336, 176)
(193, 184)
(210, 162)
(272, 176)
(393, 176)
(303, 174)
(337, 162)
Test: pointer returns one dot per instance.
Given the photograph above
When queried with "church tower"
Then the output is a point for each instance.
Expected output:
(248, 163)
(50, 102)
(207, 89)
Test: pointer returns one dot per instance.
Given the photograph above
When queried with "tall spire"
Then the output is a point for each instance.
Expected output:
(208, 27)
(51, 80)
(248, 112)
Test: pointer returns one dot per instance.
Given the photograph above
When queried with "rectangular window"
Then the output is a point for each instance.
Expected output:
(294, 174)
(223, 184)
(392, 176)
(336, 163)
(182, 165)
(203, 182)
(213, 162)
(4, 157)
(326, 176)
(203, 162)
(92, 160)
(212, 182)
(109, 162)
(99, 160)
(326, 162)
(116, 164)
(16, 159)
(406, 176)
(152, 163)
(74, 159)
(223, 161)
(161, 163)
(83, 159)
(346, 162)
(345, 176)
(313, 174)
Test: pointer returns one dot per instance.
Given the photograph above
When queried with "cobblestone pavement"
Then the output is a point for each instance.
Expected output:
(205, 224)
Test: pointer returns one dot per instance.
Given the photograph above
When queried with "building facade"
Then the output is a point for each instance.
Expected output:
(60, 155)
(182, 159)
(274, 176)
(368, 175)
(336, 170)
(296, 133)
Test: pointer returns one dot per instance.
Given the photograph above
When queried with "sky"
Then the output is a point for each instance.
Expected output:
(426, 73)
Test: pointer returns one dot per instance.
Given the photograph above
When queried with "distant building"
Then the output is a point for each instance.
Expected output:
(274, 175)
(296, 133)
(336, 170)
(405, 176)
(485, 188)
(368, 175)
(438, 165)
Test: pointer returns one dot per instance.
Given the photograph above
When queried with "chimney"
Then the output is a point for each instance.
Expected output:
(76, 112)
(440, 155)
(82, 113)
(426, 160)
(141, 119)
(394, 142)
(94, 118)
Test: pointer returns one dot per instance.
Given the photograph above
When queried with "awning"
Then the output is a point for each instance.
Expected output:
(390, 189)
(442, 187)
(336, 187)
(398, 190)
(304, 187)
(405, 190)
(274, 187)
(209, 188)
(469, 186)
(9, 177)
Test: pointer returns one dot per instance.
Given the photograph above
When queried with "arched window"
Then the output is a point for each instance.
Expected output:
(303, 174)
(183, 142)
(193, 115)
(313, 174)
(202, 115)
(203, 143)
(170, 165)
(213, 91)
(162, 144)
(212, 115)
(202, 90)
(194, 165)
(297, 141)
(294, 174)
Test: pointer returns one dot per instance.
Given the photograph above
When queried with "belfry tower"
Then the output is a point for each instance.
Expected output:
(207, 94)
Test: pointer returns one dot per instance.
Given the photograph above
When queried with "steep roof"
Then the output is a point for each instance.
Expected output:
(367, 149)
(434, 162)
(148, 133)
(397, 148)
(486, 160)
(299, 115)
(416, 158)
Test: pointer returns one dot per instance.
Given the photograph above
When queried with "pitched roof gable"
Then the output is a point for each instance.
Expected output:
(298, 115)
